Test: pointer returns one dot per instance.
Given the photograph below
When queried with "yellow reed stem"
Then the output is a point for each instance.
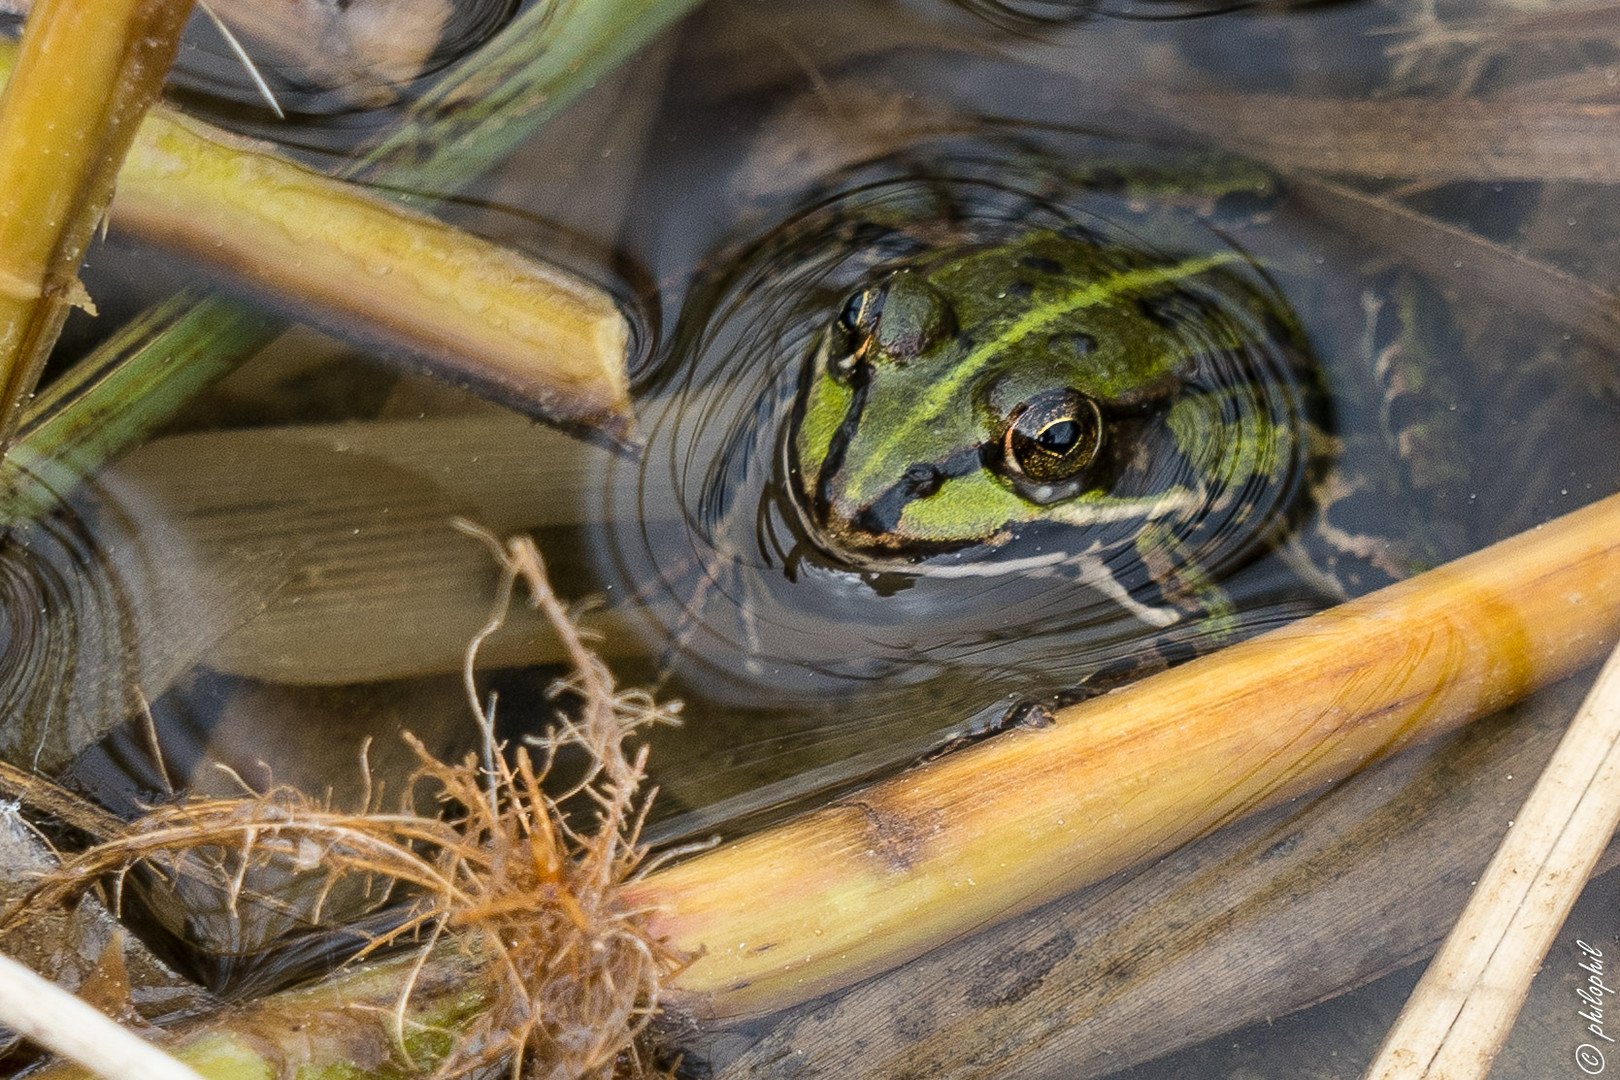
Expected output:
(87, 72)
(330, 251)
(885, 874)
(490, 316)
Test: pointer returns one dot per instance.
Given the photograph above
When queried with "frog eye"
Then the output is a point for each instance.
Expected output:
(1052, 436)
(851, 331)
(900, 317)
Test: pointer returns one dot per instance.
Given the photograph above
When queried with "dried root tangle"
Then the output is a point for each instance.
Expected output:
(501, 874)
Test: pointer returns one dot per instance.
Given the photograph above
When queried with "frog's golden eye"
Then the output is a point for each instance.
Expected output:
(849, 334)
(1052, 436)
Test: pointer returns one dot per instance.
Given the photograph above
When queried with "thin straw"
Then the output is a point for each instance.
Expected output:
(1464, 1006)
(50, 1016)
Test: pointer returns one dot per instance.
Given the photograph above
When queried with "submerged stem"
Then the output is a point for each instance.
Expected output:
(480, 109)
(116, 397)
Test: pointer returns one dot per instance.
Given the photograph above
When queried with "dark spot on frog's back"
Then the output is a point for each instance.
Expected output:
(1075, 343)
(1020, 290)
(1041, 264)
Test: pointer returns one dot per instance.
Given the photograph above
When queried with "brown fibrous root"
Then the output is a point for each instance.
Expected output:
(502, 872)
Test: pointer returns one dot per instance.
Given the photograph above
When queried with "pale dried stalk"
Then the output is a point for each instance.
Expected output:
(43, 1012)
(883, 875)
(1464, 1006)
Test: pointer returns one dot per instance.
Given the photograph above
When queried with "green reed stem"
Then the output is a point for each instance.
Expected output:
(481, 108)
(116, 397)
(345, 1028)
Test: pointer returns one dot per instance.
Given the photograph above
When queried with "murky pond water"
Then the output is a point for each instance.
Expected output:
(886, 264)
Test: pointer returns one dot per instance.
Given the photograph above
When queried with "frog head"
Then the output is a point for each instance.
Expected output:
(1050, 378)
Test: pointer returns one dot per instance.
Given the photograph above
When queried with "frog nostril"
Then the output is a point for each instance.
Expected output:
(921, 480)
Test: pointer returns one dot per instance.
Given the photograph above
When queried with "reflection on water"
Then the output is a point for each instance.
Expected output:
(335, 69)
(67, 643)
(1439, 342)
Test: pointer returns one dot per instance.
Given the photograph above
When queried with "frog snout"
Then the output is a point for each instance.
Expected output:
(871, 524)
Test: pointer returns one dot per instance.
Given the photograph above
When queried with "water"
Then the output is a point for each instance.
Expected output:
(281, 555)
(808, 652)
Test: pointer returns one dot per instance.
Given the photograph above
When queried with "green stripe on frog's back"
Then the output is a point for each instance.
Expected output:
(947, 391)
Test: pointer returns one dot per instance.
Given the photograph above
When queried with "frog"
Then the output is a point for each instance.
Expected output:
(1054, 379)
(1405, 344)
(966, 436)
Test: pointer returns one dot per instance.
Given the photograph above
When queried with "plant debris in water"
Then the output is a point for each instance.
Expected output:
(573, 977)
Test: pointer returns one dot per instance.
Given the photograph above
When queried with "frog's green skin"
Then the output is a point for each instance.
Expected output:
(985, 388)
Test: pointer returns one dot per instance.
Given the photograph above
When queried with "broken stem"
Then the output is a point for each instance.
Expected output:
(531, 334)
